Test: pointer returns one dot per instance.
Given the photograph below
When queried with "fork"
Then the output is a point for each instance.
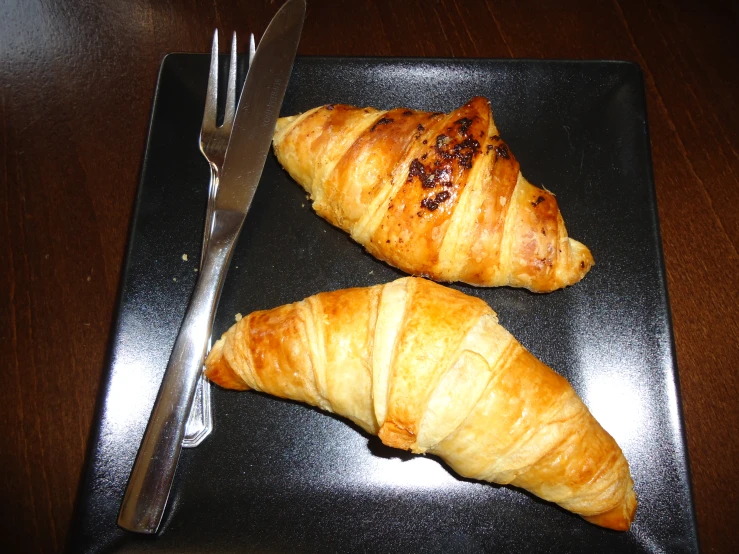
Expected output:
(214, 139)
(213, 145)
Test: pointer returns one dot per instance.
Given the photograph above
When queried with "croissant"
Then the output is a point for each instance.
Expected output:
(429, 369)
(437, 195)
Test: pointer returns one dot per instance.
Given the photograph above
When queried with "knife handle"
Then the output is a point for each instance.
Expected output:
(154, 469)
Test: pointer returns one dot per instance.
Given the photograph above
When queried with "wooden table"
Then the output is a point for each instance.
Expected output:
(77, 85)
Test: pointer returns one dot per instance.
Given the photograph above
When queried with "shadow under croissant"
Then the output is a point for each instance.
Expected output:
(377, 448)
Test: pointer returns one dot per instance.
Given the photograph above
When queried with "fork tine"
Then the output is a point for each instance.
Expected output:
(211, 95)
(252, 48)
(228, 117)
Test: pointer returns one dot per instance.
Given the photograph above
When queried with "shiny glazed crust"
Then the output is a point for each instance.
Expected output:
(437, 195)
(429, 369)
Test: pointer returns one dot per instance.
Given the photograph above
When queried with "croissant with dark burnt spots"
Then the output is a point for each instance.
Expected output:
(429, 369)
(438, 195)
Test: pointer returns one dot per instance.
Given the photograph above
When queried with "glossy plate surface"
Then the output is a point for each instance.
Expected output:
(276, 476)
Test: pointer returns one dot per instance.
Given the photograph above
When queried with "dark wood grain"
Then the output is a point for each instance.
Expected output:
(76, 88)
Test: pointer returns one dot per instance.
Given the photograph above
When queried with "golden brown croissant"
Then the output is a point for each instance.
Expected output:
(438, 195)
(429, 369)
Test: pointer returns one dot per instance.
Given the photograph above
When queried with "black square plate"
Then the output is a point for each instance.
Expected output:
(280, 477)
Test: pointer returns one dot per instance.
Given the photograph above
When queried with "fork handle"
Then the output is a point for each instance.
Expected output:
(154, 469)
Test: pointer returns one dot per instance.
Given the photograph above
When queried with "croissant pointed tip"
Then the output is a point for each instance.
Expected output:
(620, 517)
(283, 123)
(583, 251)
(219, 371)
(580, 261)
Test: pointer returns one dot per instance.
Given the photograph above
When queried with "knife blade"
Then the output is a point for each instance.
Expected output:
(259, 108)
(153, 471)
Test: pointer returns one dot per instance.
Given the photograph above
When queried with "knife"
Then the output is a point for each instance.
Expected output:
(256, 116)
